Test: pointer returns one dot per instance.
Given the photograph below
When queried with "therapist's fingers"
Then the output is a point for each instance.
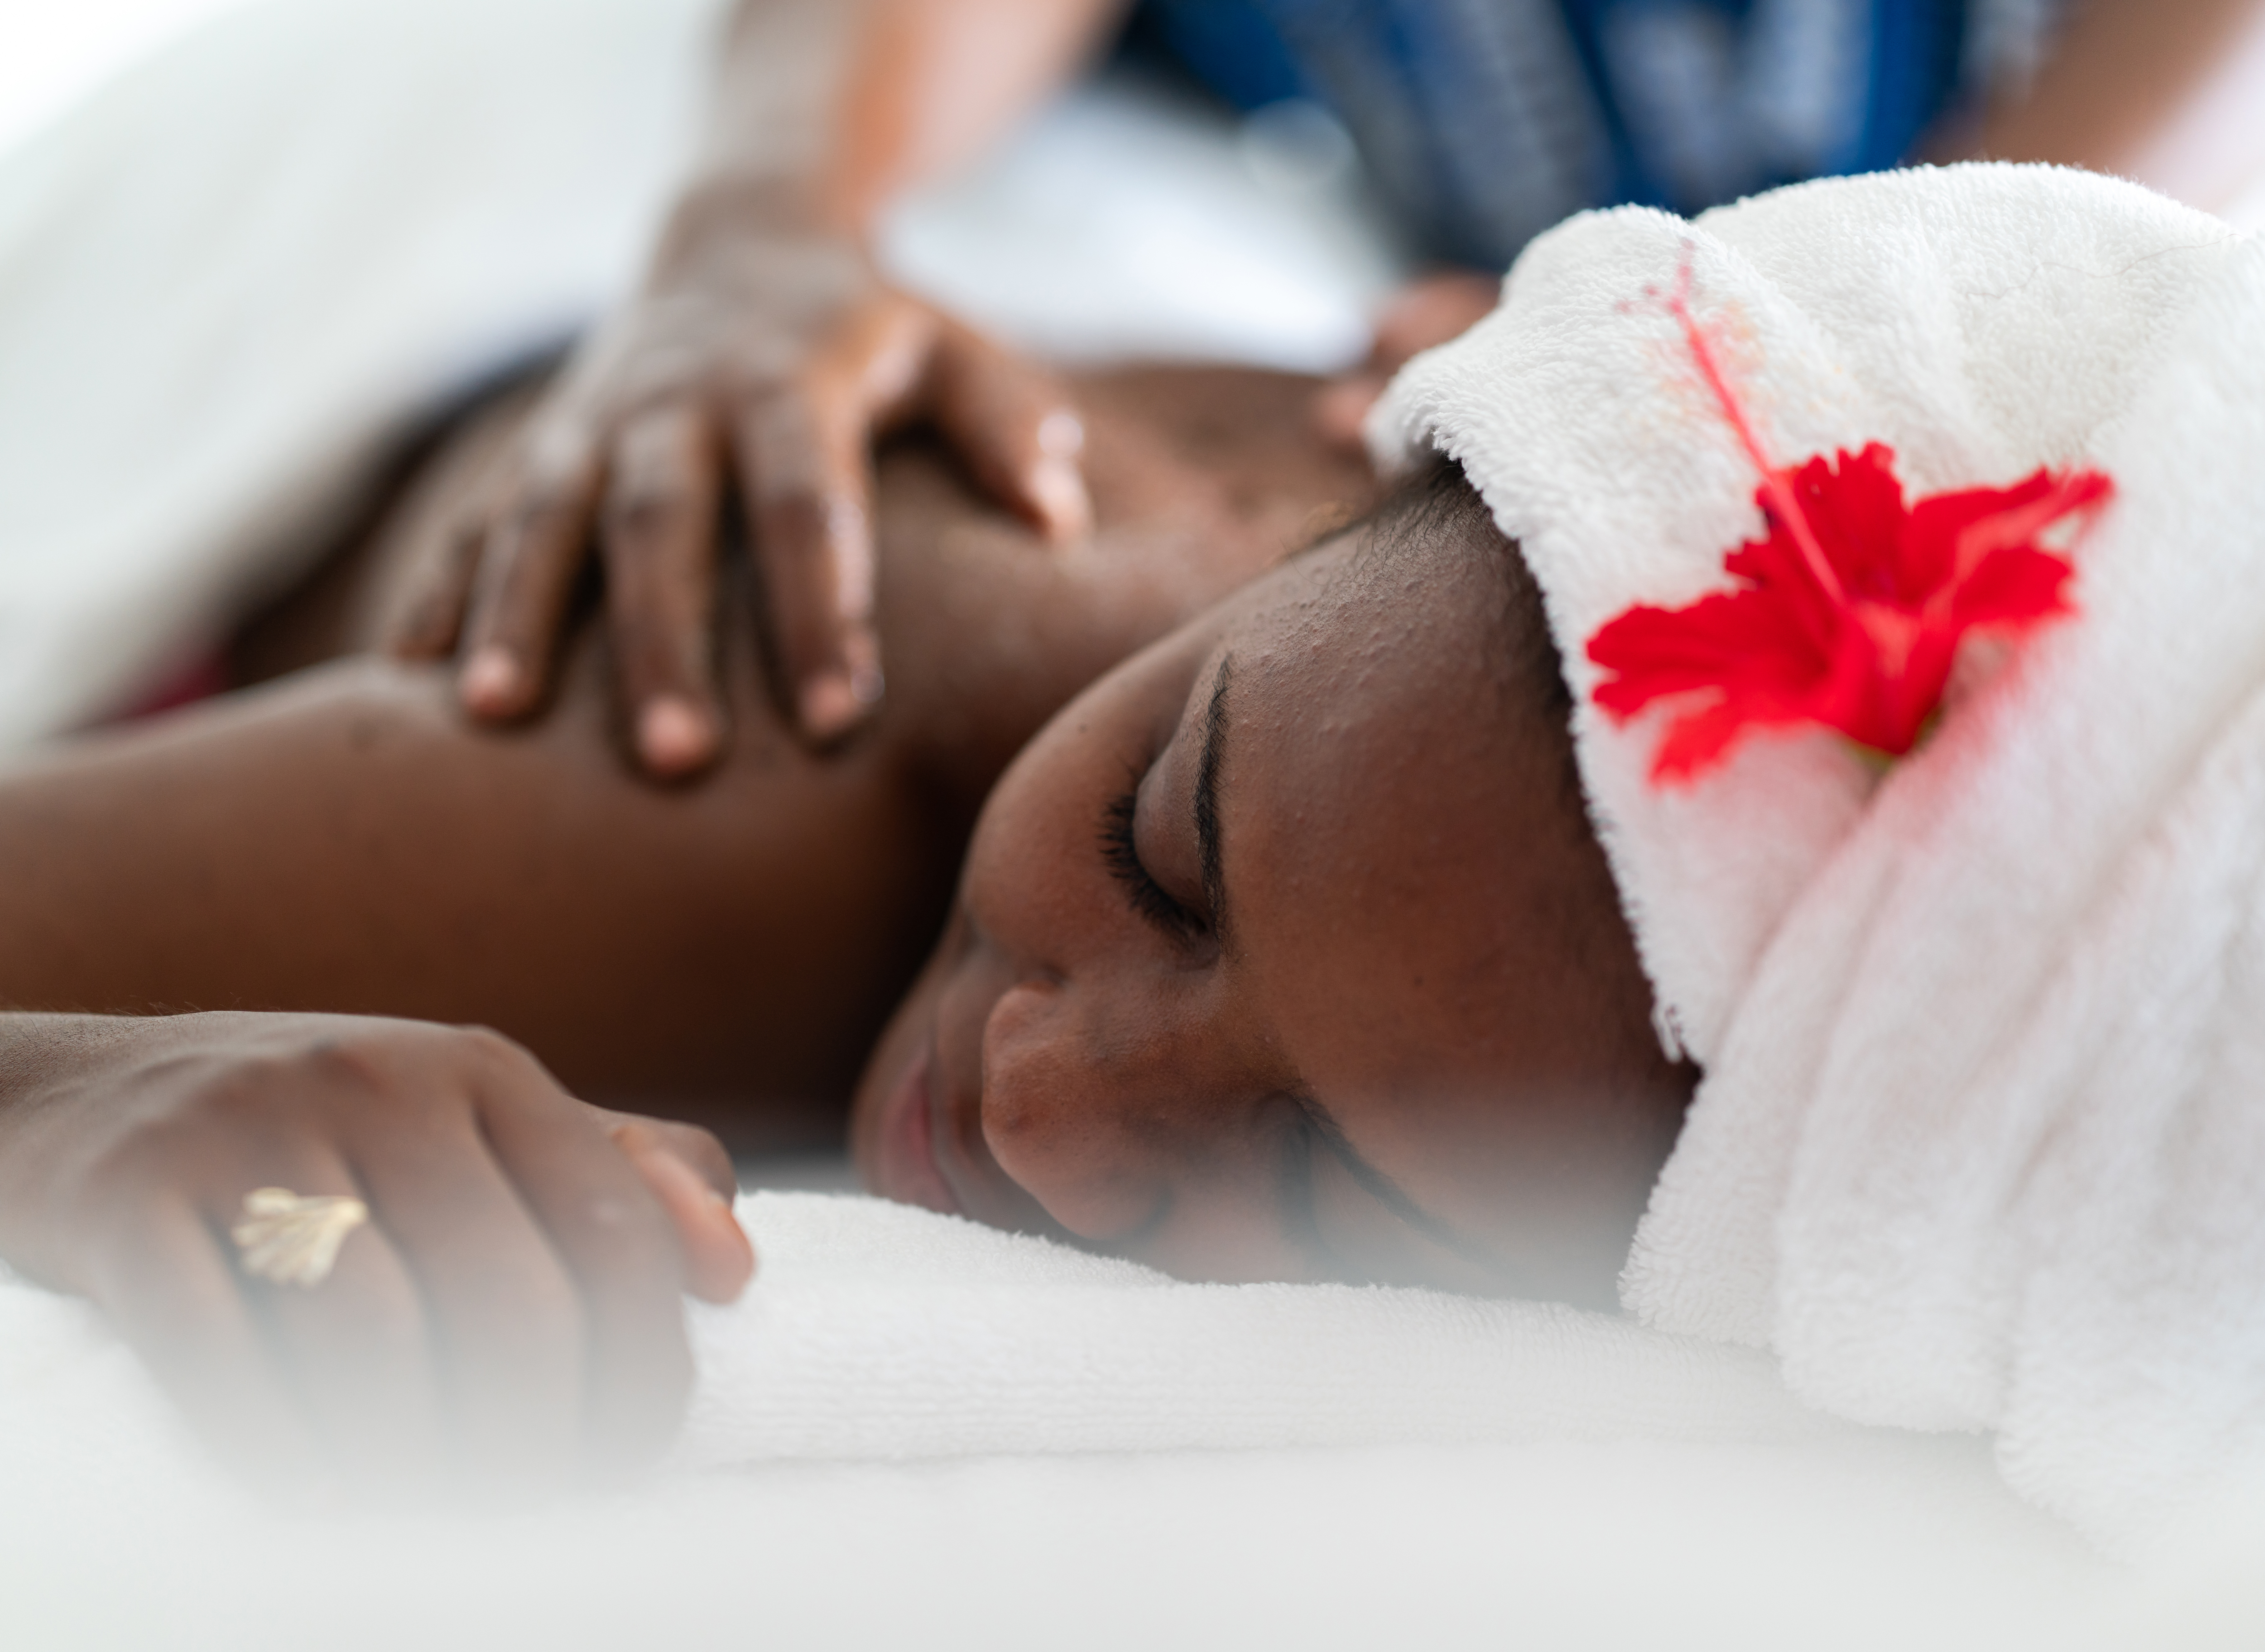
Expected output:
(1341, 408)
(534, 551)
(426, 627)
(659, 540)
(1429, 310)
(1016, 428)
(802, 454)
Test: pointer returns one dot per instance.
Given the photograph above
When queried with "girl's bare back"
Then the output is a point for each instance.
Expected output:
(339, 838)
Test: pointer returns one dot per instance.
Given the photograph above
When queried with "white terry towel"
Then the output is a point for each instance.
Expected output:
(876, 1332)
(1981, 1140)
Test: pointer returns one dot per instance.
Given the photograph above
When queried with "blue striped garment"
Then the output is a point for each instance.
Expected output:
(1485, 121)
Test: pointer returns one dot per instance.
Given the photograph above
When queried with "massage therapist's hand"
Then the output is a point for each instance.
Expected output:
(1429, 310)
(760, 359)
(508, 1317)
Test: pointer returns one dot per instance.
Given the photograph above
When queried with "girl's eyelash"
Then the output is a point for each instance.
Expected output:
(1299, 1216)
(1148, 897)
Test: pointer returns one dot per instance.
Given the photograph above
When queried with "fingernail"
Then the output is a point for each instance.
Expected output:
(1341, 411)
(1059, 493)
(1061, 434)
(673, 735)
(490, 681)
(829, 704)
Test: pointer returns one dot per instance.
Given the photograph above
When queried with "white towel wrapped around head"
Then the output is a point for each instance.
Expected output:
(1981, 1140)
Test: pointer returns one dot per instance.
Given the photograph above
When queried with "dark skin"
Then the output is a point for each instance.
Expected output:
(339, 840)
(1288, 952)
(642, 942)
(1389, 1025)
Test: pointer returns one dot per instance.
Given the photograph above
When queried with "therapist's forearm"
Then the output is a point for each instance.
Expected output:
(826, 110)
(2171, 92)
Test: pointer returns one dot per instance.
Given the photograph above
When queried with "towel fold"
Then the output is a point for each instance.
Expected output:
(1982, 1132)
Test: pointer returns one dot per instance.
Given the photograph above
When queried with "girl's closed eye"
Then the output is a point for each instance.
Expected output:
(1150, 902)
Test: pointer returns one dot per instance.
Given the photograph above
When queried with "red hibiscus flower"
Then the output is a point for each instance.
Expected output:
(1851, 612)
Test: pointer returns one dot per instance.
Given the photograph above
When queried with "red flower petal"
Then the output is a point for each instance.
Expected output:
(1871, 660)
(1849, 612)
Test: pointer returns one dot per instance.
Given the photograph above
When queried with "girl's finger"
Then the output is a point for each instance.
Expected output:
(508, 1324)
(354, 1344)
(168, 1282)
(680, 1163)
(618, 1249)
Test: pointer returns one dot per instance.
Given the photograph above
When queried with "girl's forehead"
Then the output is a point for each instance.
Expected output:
(1417, 885)
(1374, 798)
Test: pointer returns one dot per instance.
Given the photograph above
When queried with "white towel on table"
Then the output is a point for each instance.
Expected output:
(1981, 1141)
(910, 1432)
(876, 1332)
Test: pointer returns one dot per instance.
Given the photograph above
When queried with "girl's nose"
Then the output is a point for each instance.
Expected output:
(1089, 1118)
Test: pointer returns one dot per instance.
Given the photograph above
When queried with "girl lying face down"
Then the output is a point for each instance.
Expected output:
(1283, 953)
(1279, 939)
(1285, 944)
(1286, 951)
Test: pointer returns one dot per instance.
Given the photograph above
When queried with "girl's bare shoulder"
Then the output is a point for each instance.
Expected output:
(1201, 476)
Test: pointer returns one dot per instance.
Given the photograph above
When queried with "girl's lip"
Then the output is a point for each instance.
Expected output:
(908, 1162)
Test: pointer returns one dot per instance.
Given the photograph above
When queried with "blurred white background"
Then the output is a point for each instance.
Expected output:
(54, 52)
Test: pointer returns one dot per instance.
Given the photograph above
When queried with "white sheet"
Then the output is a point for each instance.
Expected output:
(1610, 1488)
(53, 56)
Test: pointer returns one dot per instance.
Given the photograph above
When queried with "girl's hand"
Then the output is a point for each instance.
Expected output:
(758, 359)
(508, 1315)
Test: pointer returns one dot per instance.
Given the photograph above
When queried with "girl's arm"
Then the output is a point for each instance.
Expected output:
(759, 359)
(340, 840)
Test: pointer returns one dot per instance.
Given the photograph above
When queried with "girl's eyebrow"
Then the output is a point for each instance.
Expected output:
(1206, 798)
